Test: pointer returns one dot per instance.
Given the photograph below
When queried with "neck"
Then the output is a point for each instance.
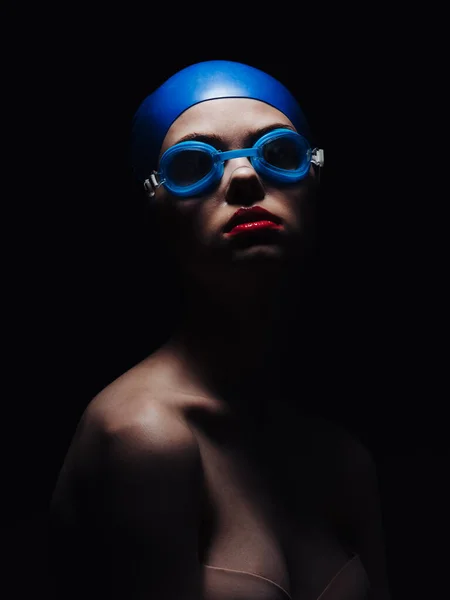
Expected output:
(231, 332)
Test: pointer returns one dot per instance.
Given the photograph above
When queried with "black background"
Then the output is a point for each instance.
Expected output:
(80, 292)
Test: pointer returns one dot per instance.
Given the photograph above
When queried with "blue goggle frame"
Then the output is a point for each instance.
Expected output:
(218, 158)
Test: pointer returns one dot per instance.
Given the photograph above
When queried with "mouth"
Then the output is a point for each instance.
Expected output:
(252, 219)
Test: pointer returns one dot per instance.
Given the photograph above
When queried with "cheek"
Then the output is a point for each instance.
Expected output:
(210, 220)
(297, 206)
(198, 219)
(184, 223)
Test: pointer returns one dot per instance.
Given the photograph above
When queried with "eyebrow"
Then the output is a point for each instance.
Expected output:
(218, 142)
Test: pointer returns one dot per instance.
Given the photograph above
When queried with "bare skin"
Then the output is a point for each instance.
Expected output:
(192, 476)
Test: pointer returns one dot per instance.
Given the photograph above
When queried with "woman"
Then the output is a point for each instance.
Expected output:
(192, 476)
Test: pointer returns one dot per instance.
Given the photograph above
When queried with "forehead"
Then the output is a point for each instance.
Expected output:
(230, 118)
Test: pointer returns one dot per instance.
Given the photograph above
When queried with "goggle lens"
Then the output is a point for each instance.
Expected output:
(284, 153)
(188, 167)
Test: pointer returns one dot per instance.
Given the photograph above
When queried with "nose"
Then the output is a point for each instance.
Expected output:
(244, 185)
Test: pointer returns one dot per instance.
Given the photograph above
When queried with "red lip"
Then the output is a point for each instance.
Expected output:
(252, 214)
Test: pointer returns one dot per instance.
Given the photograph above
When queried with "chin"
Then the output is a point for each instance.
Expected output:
(259, 253)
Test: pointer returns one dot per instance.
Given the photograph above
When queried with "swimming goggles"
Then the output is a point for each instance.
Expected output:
(192, 168)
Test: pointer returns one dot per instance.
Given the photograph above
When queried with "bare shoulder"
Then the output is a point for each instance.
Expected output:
(340, 468)
(139, 416)
(135, 413)
(337, 445)
(352, 503)
(127, 428)
(345, 470)
(130, 485)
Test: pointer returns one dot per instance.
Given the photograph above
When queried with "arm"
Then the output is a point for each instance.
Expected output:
(126, 508)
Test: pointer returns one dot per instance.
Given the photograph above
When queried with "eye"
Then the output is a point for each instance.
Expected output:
(284, 153)
(188, 167)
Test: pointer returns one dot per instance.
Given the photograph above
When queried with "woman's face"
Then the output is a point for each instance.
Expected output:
(196, 228)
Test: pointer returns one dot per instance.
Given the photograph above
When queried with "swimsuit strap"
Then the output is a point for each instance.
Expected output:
(322, 595)
(329, 587)
(252, 575)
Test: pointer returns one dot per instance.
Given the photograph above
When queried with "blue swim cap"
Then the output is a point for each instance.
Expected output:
(196, 83)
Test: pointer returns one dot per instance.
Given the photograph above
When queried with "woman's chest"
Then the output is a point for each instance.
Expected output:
(262, 531)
